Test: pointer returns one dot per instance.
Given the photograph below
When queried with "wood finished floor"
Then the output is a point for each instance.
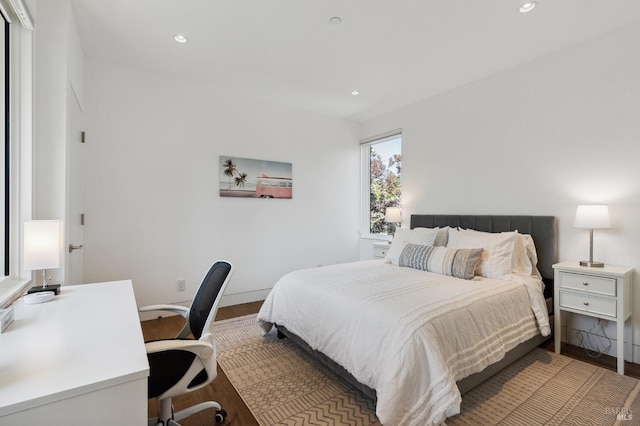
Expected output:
(238, 414)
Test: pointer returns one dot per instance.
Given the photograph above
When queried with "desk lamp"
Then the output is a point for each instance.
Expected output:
(42, 243)
(592, 217)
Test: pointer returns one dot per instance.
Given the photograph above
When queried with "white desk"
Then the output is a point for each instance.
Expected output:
(76, 360)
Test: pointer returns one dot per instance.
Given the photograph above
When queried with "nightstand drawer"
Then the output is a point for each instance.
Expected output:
(588, 283)
(588, 304)
(380, 249)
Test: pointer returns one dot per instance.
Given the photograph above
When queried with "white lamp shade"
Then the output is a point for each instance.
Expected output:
(592, 217)
(42, 242)
(393, 214)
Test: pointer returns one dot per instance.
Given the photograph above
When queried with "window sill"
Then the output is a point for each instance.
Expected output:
(10, 290)
(375, 237)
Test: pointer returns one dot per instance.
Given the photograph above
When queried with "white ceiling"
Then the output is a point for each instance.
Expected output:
(286, 51)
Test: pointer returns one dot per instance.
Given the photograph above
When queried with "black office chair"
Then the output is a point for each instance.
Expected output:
(181, 365)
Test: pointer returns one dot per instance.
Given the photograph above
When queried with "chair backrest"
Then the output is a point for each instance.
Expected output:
(205, 303)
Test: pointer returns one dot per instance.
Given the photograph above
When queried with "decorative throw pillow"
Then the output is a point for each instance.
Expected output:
(460, 263)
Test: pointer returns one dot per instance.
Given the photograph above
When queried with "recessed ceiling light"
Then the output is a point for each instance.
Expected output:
(527, 6)
(336, 20)
(180, 39)
(355, 92)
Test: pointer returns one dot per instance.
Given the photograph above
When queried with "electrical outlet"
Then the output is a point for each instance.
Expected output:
(182, 285)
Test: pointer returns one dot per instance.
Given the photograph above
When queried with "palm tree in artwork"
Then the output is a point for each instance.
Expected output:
(241, 179)
(230, 170)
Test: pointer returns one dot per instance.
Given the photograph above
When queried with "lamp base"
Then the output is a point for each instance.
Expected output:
(591, 264)
(55, 288)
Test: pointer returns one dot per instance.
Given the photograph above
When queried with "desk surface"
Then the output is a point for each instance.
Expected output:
(88, 338)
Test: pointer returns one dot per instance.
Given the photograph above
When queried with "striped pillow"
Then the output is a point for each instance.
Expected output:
(460, 263)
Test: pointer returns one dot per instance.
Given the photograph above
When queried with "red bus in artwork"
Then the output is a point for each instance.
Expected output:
(274, 187)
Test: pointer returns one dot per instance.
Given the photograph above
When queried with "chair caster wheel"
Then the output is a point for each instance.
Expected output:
(220, 416)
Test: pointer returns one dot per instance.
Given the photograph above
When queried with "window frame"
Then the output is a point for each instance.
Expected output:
(365, 166)
(5, 177)
(19, 150)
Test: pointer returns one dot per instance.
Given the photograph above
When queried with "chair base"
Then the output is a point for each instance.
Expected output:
(169, 418)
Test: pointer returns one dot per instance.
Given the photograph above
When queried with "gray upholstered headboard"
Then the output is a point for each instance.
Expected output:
(543, 230)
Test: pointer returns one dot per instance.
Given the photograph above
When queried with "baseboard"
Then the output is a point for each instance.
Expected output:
(227, 300)
(245, 297)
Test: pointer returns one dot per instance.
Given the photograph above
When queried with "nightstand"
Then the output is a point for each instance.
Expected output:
(380, 249)
(604, 293)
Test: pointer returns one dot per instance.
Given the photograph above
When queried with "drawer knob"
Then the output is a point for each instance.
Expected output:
(586, 303)
(585, 283)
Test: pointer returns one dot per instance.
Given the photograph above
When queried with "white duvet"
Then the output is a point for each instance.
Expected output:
(408, 334)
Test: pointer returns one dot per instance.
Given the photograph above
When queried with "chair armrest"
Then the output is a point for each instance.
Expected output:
(171, 308)
(201, 349)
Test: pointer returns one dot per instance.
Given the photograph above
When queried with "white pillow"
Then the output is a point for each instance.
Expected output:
(496, 260)
(402, 237)
(530, 268)
(520, 263)
(524, 258)
(441, 236)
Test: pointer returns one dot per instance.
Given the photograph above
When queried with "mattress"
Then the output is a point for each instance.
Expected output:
(406, 333)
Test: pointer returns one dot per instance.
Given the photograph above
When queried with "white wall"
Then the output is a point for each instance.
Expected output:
(58, 64)
(153, 213)
(540, 138)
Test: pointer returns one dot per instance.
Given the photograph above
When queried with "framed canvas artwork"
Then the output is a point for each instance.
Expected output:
(245, 177)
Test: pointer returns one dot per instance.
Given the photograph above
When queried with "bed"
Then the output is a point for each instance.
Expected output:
(412, 336)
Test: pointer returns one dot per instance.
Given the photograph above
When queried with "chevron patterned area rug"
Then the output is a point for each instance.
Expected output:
(283, 385)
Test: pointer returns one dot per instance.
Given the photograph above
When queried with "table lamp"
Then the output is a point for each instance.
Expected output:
(592, 217)
(42, 250)
(393, 215)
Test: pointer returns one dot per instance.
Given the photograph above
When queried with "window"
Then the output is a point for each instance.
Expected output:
(382, 181)
(16, 95)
